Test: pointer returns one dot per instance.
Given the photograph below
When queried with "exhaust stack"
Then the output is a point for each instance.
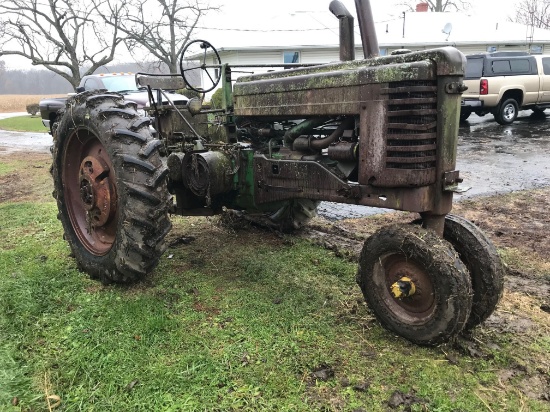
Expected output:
(367, 29)
(347, 38)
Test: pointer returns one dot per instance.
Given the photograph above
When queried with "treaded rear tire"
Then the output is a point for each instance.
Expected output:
(108, 130)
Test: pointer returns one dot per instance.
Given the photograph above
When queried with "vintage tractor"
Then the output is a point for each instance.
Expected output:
(380, 132)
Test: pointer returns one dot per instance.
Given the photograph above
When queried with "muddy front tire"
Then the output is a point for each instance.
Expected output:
(109, 184)
(415, 284)
(481, 258)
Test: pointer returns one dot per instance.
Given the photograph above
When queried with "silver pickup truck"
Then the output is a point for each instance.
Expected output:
(503, 83)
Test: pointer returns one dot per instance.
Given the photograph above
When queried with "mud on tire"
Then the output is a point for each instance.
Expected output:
(481, 258)
(109, 184)
(440, 305)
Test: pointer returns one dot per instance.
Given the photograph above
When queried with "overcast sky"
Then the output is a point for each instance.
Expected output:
(254, 14)
(246, 12)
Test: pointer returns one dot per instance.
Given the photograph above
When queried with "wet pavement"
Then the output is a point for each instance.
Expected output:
(22, 141)
(491, 158)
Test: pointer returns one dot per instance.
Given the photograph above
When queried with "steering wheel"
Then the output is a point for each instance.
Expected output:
(199, 74)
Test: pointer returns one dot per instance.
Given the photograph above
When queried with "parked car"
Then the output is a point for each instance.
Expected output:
(503, 83)
(123, 83)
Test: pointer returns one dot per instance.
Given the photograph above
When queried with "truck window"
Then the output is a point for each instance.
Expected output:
(92, 84)
(546, 65)
(520, 66)
(474, 68)
(501, 67)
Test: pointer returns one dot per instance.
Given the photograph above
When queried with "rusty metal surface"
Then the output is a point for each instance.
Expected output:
(449, 62)
(347, 36)
(407, 125)
(208, 174)
(320, 93)
(90, 192)
(285, 179)
(343, 151)
(400, 147)
(420, 305)
(367, 29)
(160, 81)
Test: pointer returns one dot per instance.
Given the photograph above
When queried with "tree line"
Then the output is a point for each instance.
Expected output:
(65, 36)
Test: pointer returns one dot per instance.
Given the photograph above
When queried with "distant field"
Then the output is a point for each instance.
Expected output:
(18, 102)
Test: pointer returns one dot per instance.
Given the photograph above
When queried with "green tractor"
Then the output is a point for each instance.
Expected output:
(380, 131)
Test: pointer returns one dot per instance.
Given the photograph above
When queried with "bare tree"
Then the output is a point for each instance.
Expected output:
(64, 36)
(440, 5)
(2, 74)
(161, 27)
(535, 13)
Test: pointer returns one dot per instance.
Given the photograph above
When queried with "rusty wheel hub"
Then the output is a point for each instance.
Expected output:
(96, 191)
(409, 290)
(90, 192)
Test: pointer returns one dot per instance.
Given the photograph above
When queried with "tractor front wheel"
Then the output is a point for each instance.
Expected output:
(415, 283)
(109, 184)
(481, 258)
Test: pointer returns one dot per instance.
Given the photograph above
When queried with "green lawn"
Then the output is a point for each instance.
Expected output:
(244, 320)
(26, 123)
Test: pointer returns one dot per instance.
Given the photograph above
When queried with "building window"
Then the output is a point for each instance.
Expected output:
(383, 52)
(536, 49)
(491, 49)
(291, 57)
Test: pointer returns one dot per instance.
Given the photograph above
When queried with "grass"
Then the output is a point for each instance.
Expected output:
(26, 123)
(242, 321)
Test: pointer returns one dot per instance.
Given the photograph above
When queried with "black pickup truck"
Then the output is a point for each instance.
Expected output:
(123, 83)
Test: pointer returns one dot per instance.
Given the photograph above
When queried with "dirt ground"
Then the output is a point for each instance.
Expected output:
(518, 223)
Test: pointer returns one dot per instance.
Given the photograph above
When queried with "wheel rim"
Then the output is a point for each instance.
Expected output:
(415, 309)
(90, 192)
(509, 112)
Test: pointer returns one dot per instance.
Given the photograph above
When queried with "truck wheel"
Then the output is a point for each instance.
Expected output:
(415, 284)
(464, 114)
(109, 184)
(294, 214)
(507, 112)
(480, 256)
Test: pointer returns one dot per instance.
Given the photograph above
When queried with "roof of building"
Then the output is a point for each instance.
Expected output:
(319, 30)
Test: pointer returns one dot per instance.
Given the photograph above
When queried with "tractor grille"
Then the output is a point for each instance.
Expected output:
(412, 125)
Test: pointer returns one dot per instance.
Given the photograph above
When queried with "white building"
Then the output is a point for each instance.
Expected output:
(304, 38)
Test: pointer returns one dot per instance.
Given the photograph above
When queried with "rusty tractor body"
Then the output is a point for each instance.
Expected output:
(380, 132)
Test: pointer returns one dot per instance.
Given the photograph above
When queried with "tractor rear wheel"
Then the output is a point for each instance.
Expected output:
(415, 284)
(109, 184)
